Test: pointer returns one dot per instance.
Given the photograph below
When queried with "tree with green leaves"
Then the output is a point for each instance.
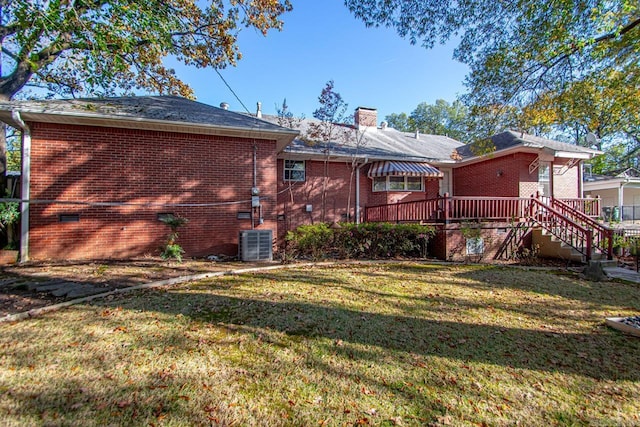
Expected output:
(518, 48)
(440, 118)
(100, 47)
(560, 67)
(607, 106)
(399, 121)
(104, 47)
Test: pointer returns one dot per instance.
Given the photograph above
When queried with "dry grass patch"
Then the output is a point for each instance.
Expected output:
(390, 344)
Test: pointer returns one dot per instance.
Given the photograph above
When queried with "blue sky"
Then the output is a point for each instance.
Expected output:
(322, 41)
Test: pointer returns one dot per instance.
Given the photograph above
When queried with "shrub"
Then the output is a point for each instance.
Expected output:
(9, 215)
(369, 240)
(171, 249)
(312, 241)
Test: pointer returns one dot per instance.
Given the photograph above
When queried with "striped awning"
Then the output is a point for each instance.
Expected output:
(393, 168)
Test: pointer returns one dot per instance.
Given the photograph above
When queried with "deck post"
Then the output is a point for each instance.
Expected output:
(589, 244)
(446, 208)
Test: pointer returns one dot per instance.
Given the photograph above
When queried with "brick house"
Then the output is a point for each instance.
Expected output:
(510, 164)
(378, 169)
(99, 173)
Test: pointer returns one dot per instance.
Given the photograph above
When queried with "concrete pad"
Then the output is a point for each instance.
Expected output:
(33, 285)
(64, 290)
(616, 323)
(84, 291)
(623, 273)
(47, 287)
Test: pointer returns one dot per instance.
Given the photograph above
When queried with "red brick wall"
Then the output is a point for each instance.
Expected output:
(293, 197)
(450, 244)
(310, 193)
(95, 164)
(505, 176)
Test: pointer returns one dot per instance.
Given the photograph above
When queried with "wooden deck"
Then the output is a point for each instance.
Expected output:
(570, 220)
(456, 208)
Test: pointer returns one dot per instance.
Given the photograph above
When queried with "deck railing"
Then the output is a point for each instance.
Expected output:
(602, 235)
(420, 210)
(567, 230)
(450, 208)
(588, 206)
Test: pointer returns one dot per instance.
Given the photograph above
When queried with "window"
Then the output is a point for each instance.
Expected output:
(294, 170)
(414, 183)
(544, 180)
(398, 183)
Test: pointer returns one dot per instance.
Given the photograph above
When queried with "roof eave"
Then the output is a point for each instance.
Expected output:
(282, 138)
(306, 155)
(573, 155)
(528, 148)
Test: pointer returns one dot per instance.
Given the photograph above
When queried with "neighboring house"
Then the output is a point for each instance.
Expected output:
(100, 172)
(620, 193)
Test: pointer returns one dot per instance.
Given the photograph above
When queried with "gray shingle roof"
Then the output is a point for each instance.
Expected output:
(510, 139)
(380, 144)
(175, 110)
(165, 108)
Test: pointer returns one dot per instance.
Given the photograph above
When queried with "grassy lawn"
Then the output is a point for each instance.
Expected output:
(387, 344)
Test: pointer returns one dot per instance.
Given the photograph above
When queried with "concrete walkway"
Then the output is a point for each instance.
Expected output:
(622, 273)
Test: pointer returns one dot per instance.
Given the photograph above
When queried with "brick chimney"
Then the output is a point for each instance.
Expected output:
(366, 117)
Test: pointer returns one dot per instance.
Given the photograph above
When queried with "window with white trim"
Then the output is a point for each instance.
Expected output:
(398, 183)
(294, 170)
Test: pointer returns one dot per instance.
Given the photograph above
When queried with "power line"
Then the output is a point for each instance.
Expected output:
(232, 91)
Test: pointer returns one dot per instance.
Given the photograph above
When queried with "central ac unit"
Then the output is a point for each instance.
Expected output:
(255, 245)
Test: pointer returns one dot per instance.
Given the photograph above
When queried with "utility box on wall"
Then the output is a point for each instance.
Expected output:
(255, 245)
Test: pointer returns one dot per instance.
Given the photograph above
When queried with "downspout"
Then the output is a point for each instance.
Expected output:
(25, 178)
(358, 190)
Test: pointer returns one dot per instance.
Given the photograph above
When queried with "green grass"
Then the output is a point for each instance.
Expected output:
(388, 344)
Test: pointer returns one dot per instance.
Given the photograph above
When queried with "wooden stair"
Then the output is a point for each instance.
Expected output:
(549, 246)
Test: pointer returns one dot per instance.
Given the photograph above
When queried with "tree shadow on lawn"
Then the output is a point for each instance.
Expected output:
(603, 354)
(554, 283)
(156, 390)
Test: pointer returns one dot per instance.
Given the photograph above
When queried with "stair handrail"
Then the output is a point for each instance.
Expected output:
(603, 236)
(571, 232)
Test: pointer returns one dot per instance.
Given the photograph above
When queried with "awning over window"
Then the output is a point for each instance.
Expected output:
(393, 168)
